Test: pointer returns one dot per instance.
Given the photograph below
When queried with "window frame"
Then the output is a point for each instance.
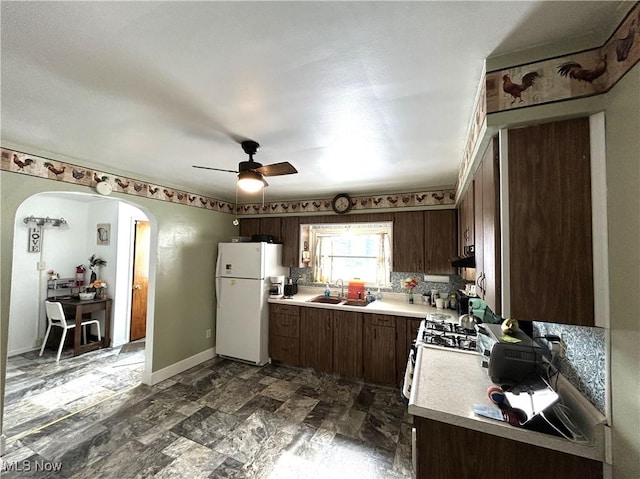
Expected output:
(308, 244)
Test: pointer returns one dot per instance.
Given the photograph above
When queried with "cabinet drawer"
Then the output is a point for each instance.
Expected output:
(382, 320)
(285, 325)
(284, 349)
(285, 309)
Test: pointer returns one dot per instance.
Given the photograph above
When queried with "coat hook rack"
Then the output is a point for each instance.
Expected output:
(40, 221)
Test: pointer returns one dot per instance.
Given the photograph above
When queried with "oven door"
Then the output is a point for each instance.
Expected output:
(408, 373)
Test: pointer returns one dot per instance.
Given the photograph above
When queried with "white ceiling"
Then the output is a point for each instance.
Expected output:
(361, 97)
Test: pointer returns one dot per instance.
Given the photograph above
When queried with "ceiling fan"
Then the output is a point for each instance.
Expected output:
(251, 173)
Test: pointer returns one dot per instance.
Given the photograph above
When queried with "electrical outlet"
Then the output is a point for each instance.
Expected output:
(208, 333)
(41, 265)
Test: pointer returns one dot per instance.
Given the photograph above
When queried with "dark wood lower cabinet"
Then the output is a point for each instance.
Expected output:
(445, 451)
(373, 347)
(379, 349)
(316, 339)
(347, 343)
(284, 333)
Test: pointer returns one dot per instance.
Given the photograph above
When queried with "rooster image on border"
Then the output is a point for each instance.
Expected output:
(516, 89)
(574, 70)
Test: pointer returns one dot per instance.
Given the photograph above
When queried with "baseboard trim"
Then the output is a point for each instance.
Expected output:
(180, 366)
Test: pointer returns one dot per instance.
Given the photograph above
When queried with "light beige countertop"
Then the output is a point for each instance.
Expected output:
(395, 304)
(446, 384)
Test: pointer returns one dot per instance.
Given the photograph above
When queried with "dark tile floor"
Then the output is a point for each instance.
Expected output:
(227, 419)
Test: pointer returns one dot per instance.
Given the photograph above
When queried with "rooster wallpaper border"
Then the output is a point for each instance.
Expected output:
(567, 77)
(23, 163)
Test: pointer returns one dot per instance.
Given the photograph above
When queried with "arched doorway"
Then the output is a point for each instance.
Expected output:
(63, 246)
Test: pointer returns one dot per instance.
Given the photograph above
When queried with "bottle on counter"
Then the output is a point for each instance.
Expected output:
(378, 295)
(327, 291)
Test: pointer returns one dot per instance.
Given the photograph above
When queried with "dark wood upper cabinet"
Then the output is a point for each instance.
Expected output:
(466, 228)
(466, 220)
(271, 226)
(290, 237)
(487, 228)
(408, 241)
(551, 252)
(249, 227)
(261, 226)
(423, 241)
(440, 240)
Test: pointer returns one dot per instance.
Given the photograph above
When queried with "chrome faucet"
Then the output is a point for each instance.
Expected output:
(341, 287)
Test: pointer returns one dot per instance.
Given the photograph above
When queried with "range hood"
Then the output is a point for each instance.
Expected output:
(467, 260)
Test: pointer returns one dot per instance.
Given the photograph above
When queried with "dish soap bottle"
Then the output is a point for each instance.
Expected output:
(327, 291)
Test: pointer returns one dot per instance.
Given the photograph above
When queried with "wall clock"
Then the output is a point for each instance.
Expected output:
(104, 188)
(341, 204)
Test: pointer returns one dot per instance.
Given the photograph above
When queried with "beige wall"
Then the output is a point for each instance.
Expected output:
(623, 181)
(187, 240)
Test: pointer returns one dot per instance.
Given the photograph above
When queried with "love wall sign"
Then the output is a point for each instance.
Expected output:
(35, 239)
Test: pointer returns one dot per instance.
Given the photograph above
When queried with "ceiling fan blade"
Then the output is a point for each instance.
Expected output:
(277, 169)
(215, 169)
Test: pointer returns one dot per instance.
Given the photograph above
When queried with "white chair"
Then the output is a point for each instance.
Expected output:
(56, 317)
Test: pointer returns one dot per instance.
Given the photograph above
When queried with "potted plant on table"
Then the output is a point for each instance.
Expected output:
(94, 264)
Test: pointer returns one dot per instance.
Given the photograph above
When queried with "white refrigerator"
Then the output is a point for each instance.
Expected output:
(242, 289)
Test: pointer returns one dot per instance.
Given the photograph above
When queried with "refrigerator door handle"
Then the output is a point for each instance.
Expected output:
(217, 293)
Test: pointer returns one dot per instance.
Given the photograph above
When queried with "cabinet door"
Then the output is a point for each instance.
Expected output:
(270, 226)
(466, 210)
(347, 343)
(284, 349)
(445, 451)
(487, 228)
(284, 325)
(379, 349)
(491, 230)
(478, 231)
(249, 227)
(550, 222)
(316, 339)
(290, 237)
(408, 241)
(440, 236)
(466, 229)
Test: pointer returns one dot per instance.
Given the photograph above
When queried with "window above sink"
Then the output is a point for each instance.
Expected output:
(347, 251)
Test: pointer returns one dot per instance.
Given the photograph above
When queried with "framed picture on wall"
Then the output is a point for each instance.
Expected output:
(103, 233)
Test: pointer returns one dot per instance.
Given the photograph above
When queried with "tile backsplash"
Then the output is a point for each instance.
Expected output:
(584, 361)
(397, 281)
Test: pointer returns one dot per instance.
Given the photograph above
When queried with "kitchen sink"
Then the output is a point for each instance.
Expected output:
(340, 301)
(355, 302)
(325, 299)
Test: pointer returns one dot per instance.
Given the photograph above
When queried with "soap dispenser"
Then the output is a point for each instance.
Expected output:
(327, 291)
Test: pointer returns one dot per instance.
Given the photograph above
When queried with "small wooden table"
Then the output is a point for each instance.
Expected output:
(82, 307)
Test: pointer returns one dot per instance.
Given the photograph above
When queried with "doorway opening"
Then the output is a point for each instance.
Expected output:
(38, 389)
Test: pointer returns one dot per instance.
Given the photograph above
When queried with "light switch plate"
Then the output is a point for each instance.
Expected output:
(41, 265)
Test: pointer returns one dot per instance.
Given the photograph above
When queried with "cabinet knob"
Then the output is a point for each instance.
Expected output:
(137, 286)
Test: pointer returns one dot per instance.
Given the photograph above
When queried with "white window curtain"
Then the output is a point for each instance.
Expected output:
(325, 263)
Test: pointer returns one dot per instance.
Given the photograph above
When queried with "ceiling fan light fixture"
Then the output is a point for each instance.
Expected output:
(250, 181)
